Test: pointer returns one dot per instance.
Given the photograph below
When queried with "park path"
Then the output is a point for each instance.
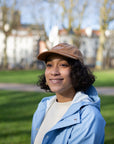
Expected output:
(35, 88)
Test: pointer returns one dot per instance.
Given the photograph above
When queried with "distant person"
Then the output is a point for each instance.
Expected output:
(72, 115)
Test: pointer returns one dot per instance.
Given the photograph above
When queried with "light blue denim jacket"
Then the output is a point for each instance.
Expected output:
(81, 124)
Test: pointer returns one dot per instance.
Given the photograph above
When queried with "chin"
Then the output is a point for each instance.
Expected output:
(55, 90)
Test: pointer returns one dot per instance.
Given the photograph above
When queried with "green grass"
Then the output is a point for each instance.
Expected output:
(17, 108)
(20, 76)
(107, 110)
(103, 78)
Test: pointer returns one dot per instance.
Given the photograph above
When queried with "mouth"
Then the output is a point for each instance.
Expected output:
(56, 81)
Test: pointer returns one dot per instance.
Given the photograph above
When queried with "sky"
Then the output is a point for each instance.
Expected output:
(42, 13)
(90, 20)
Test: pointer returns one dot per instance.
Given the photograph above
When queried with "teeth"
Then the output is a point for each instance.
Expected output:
(55, 81)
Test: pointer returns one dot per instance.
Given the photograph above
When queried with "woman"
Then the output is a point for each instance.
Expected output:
(72, 115)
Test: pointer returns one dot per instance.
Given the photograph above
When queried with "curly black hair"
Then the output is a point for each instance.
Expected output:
(81, 76)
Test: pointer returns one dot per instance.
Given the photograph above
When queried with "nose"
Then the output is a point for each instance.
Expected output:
(55, 71)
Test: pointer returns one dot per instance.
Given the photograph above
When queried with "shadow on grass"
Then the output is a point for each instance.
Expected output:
(8, 134)
(18, 106)
(16, 112)
(111, 141)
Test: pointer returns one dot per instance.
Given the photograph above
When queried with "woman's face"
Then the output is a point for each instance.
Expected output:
(57, 75)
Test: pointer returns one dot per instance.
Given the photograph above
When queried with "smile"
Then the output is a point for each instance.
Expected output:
(56, 81)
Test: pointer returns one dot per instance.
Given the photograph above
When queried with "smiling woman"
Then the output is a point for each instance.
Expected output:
(72, 115)
(58, 77)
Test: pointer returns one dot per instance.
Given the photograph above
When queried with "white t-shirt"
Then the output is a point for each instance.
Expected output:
(53, 115)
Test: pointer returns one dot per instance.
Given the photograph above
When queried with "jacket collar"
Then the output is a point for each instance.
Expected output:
(79, 96)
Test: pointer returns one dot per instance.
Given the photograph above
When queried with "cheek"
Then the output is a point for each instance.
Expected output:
(69, 79)
(46, 74)
(67, 75)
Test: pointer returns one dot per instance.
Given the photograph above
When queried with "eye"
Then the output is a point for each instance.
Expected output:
(48, 65)
(64, 65)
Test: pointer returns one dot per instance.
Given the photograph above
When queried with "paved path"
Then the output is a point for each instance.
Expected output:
(20, 87)
(33, 87)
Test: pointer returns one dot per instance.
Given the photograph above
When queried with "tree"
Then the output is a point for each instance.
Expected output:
(73, 12)
(106, 16)
(10, 20)
(63, 11)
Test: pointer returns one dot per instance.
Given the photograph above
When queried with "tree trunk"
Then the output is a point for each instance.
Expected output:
(99, 57)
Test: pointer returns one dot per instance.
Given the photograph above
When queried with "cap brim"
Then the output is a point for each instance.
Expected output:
(43, 56)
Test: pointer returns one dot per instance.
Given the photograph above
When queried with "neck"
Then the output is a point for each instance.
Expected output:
(65, 97)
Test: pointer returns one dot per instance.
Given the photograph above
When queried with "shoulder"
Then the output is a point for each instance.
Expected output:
(46, 99)
(42, 105)
(90, 111)
(91, 117)
(90, 130)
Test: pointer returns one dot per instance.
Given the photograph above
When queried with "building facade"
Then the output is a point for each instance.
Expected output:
(21, 47)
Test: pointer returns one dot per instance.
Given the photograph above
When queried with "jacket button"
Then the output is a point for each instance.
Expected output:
(75, 119)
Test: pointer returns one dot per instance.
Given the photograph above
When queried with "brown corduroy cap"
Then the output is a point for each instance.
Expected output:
(63, 49)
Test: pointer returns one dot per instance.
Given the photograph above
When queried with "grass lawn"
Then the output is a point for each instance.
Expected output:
(103, 78)
(107, 110)
(17, 108)
(20, 76)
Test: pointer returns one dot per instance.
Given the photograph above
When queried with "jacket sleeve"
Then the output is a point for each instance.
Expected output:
(90, 130)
